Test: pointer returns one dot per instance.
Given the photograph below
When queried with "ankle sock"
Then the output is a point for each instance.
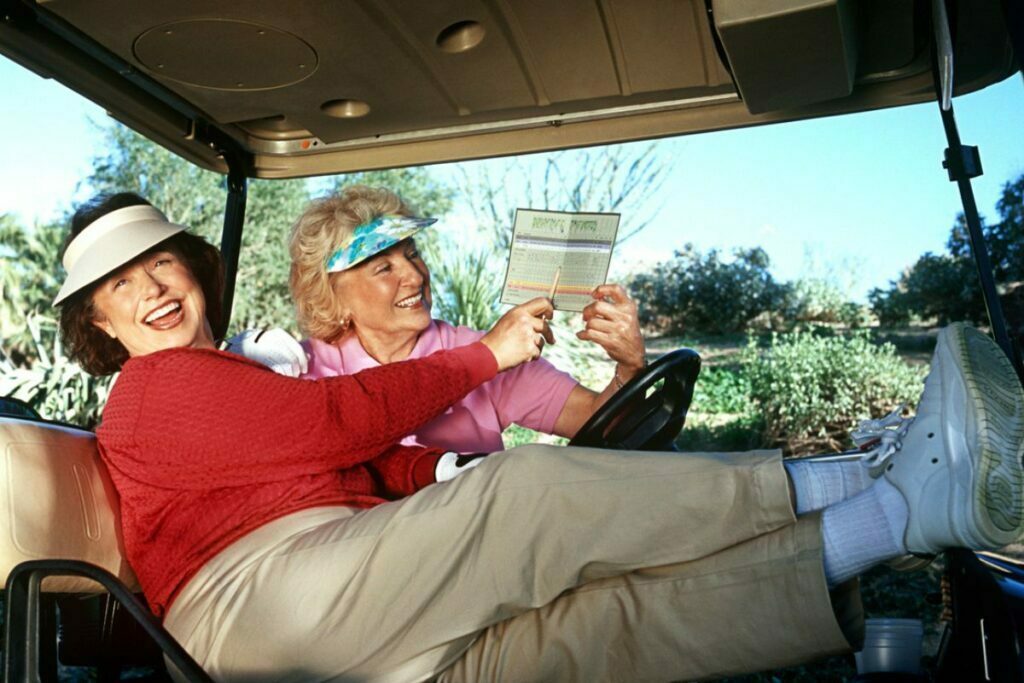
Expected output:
(863, 531)
(820, 484)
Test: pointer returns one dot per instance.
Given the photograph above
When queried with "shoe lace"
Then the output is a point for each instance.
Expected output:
(883, 437)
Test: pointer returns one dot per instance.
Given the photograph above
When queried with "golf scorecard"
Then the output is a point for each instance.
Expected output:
(568, 253)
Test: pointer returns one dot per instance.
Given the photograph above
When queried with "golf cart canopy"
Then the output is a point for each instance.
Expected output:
(307, 87)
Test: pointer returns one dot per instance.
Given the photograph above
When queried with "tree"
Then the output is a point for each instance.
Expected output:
(618, 178)
(698, 291)
(946, 287)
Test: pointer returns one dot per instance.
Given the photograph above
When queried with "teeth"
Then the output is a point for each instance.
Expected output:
(410, 302)
(162, 311)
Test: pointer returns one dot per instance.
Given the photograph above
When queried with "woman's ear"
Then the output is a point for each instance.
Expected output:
(105, 325)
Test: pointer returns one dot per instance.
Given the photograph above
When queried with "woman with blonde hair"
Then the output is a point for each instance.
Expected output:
(362, 293)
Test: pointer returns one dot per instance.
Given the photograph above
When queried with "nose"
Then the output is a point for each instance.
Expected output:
(152, 287)
(411, 273)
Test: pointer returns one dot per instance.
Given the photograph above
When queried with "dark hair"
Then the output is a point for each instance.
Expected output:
(94, 350)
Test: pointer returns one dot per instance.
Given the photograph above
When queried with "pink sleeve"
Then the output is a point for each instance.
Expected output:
(533, 395)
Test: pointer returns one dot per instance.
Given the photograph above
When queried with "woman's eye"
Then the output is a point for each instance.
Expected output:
(383, 268)
(120, 283)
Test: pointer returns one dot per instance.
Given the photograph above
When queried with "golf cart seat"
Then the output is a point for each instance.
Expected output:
(61, 555)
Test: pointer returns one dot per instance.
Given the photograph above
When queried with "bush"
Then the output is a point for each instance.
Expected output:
(812, 389)
(54, 385)
(704, 292)
(820, 301)
(722, 390)
(941, 288)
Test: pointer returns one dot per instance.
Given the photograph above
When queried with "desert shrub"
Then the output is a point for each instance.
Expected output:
(705, 292)
(820, 301)
(811, 389)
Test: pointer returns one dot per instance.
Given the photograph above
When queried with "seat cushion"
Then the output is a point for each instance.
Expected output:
(57, 502)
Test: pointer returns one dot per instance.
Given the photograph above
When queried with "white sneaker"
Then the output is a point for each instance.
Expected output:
(960, 462)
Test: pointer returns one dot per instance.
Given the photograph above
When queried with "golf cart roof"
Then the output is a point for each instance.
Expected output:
(311, 87)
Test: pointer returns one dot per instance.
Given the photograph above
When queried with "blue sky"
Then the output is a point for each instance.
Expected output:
(854, 199)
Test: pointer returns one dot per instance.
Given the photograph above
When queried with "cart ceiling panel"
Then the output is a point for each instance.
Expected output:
(359, 69)
(318, 86)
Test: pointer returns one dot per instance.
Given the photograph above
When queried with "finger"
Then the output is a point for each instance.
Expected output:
(541, 307)
(609, 327)
(603, 309)
(606, 341)
(614, 292)
(549, 336)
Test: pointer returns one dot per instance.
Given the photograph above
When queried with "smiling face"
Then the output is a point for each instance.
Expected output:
(153, 303)
(387, 295)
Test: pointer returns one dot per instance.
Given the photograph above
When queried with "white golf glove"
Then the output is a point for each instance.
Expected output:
(451, 465)
(274, 348)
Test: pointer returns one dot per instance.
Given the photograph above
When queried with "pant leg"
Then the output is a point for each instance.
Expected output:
(398, 592)
(761, 604)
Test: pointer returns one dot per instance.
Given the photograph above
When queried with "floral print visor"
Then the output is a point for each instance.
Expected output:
(374, 237)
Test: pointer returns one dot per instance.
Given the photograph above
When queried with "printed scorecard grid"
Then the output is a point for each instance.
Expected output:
(544, 241)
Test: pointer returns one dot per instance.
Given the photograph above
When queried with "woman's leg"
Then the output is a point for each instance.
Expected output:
(398, 592)
(758, 605)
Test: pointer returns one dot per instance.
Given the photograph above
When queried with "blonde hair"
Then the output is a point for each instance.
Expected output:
(314, 238)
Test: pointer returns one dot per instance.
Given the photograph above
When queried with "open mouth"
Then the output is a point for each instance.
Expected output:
(413, 301)
(168, 315)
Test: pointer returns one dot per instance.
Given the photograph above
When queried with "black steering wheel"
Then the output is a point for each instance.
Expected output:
(641, 416)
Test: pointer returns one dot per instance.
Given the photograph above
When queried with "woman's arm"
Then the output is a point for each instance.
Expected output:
(612, 323)
(207, 418)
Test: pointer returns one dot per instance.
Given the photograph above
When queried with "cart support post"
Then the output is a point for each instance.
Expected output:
(231, 237)
(963, 163)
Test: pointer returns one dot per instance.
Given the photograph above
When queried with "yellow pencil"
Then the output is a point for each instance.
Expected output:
(554, 285)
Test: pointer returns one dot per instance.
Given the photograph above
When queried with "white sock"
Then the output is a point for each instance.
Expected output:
(820, 484)
(863, 531)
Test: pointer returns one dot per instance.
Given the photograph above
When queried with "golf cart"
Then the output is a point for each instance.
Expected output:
(284, 90)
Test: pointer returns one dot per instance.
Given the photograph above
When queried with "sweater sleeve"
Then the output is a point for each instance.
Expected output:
(404, 470)
(205, 418)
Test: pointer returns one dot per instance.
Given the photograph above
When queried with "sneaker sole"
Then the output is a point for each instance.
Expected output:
(996, 394)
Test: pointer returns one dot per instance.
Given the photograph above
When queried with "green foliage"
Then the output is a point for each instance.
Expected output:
(722, 390)
(945, 287)
(57, 388)
(816, 300)
(704, 292)
(30, 275)
(741, 433)
(262, 298)
(811, 389)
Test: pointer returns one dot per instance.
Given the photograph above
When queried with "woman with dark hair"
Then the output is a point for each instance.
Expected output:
(282, 535)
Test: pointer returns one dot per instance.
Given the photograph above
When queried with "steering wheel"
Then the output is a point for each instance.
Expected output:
(641, 416)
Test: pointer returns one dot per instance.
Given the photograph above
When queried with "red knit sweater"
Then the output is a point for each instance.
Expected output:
(205, 446)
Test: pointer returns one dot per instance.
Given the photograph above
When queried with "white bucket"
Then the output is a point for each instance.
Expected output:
(891, 645)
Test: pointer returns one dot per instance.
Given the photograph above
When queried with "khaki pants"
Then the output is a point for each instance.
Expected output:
(541, 564)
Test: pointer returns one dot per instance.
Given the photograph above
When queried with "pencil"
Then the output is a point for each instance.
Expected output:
(554, 284)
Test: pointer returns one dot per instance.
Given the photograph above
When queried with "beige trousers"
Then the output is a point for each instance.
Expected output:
(541, 564)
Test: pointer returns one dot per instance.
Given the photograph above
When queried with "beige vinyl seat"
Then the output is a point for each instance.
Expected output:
(62, 558)
(58, 503)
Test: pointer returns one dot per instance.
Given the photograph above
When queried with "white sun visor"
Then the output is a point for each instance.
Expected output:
(110, 242)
